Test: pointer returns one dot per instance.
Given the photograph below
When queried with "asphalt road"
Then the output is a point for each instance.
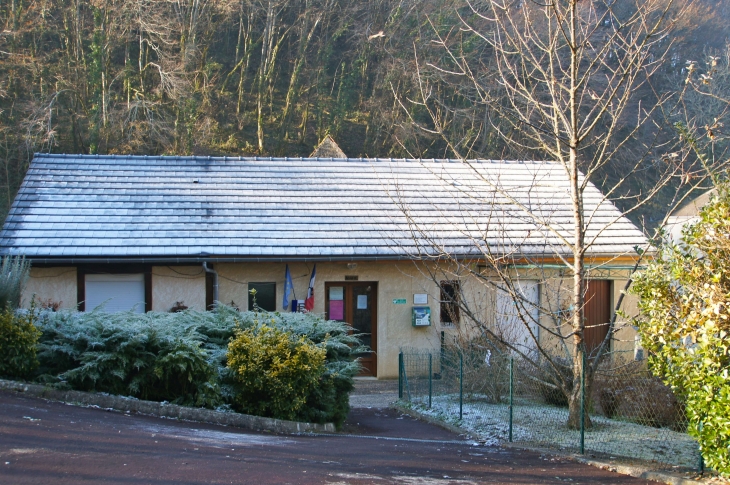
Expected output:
(51, 443)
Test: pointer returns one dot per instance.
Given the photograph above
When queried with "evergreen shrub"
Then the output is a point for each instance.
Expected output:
(183, 357)
(140, 355)
(275, 370)
(18, 338)
(329, 401)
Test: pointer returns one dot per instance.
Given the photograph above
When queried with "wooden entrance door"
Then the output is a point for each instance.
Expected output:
(597, 313)
(356, 302)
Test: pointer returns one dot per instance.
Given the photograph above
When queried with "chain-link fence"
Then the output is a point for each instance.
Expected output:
(631, 414)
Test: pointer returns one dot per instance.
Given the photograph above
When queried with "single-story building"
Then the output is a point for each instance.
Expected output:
(160, 232)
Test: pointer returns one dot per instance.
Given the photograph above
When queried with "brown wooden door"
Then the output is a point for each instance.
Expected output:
(597, 313)
(356, 302)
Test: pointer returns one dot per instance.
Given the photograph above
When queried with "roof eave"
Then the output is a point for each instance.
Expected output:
(168, 260)
(608, 259)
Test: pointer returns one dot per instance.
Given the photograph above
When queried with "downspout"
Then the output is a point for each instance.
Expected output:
(215, 281)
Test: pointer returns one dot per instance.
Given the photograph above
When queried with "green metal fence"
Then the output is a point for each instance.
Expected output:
(499, 398)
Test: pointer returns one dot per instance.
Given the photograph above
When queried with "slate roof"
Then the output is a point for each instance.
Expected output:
(101, 208)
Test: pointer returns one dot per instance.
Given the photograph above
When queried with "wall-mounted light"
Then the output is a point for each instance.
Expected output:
(351, 265)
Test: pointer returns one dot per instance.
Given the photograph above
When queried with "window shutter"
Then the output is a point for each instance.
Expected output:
(119, 292)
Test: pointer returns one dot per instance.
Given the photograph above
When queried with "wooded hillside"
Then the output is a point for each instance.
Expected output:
(268, 77)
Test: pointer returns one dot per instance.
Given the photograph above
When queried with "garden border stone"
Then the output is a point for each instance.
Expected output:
(635, 471)
(167, 410)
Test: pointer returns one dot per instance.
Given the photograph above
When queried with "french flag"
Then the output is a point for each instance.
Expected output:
(309, 302)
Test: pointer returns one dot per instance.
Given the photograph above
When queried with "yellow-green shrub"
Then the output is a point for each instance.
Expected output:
(18, 339)
(275, 371)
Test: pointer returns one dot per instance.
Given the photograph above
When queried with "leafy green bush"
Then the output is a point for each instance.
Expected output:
(18, 338)
(328, 401)
(275, 370)
(685, 325)
(14, 272)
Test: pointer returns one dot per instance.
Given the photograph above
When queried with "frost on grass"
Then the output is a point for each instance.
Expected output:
(544, 425)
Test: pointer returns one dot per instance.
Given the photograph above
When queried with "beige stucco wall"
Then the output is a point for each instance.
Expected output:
(401, 280)
(171, 284)
(396, 280)
(54, 284)
(625, 339)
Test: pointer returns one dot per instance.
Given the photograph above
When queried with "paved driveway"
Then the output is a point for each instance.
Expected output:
(50, 443)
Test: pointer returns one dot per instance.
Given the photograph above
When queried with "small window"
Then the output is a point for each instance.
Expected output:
(450, 291)
(265, 296)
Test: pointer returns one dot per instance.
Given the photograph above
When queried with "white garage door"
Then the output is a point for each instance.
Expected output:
(118, 292)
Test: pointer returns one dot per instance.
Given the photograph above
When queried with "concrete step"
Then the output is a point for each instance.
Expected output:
(369, 385)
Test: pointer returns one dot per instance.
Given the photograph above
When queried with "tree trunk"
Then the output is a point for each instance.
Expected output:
(266, 52)
(244, 42)
(579, 246)
(291, 93)
(575, 397)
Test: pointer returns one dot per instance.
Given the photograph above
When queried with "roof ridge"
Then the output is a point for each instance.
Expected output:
(257, 158)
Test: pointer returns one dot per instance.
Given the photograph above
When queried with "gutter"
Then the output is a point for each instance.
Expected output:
(178, 260)
(587, 266)
(172, 260)
(162, 260)
(215, 281)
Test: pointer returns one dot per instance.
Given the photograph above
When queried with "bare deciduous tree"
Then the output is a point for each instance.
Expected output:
(571, 82)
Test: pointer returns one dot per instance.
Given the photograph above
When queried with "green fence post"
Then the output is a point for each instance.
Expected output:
(511, 392)
(441, 355)
(461, 386)
(701, 464)
(430, 379)
(400, 375)
(583, 405)
(406, 386)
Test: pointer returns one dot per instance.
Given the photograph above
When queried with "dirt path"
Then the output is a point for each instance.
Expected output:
(43, 442)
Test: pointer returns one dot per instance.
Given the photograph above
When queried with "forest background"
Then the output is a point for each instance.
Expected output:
(273, 77)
